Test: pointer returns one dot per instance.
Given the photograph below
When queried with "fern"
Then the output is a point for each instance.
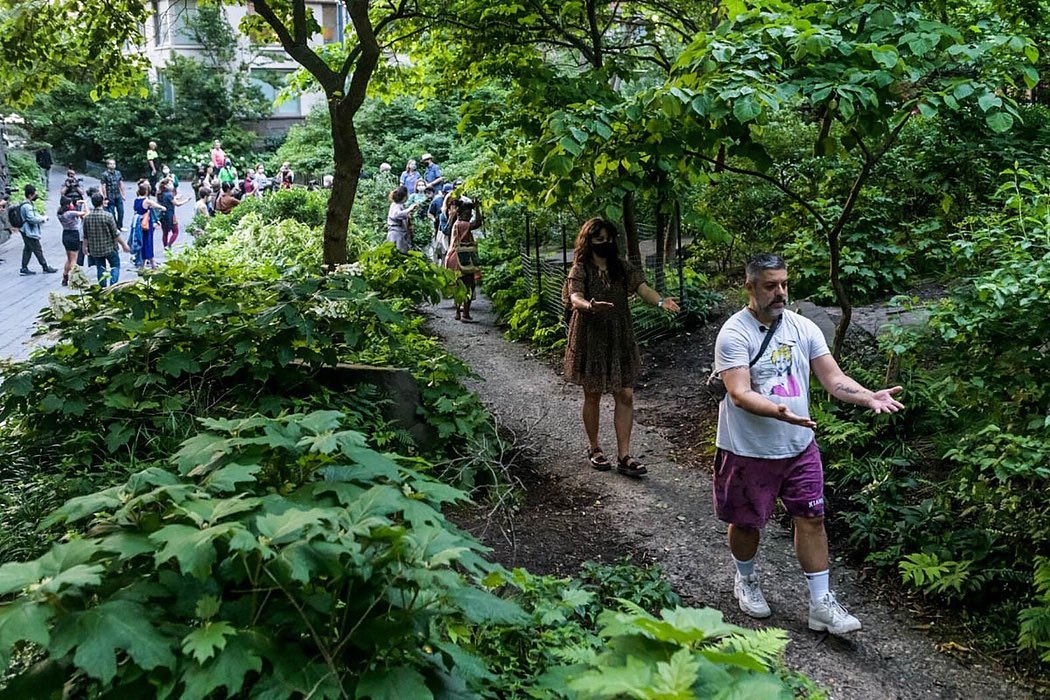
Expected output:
(931, 574)
(765, 645)
(1035, 621)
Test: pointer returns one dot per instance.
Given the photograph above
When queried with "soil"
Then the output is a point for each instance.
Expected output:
(572, 514)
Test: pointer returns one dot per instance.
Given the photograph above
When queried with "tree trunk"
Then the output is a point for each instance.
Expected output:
(630, 229)
(348, 161)
(841, 295)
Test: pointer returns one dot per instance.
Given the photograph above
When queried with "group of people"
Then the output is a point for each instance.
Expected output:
(211, 179)
(218, 186)
(432, 215)
(766, 449)
(90, 236)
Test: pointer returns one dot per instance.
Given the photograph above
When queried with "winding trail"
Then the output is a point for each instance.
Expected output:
(669, 517)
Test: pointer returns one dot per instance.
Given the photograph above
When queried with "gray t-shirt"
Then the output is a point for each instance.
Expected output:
(781, 375)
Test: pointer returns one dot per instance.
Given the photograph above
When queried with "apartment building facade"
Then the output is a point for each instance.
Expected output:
(167, 32)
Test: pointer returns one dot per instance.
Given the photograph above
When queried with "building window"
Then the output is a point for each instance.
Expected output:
(165, 88)
(181, 14)
(271, 82)
(155, 22)
(332, 24)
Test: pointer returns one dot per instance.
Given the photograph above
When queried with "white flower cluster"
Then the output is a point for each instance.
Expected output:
(331, 308)
(354, 269)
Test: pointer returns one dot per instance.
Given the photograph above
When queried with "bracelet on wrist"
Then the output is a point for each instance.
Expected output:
(661, 302)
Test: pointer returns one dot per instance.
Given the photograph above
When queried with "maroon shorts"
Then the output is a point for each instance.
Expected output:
(747, 488)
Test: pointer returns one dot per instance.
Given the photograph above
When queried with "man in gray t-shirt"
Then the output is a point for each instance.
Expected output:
(766, 449)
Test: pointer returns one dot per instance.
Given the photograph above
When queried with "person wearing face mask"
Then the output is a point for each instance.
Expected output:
(765, 443)
(601, 354)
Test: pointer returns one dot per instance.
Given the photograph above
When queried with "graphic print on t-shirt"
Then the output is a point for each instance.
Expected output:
(779, 377)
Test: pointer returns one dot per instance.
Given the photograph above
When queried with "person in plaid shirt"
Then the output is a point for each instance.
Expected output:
(101, 237)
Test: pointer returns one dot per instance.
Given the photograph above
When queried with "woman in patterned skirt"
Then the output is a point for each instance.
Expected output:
(602, 355)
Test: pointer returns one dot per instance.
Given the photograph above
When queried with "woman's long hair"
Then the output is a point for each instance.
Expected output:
(582, 249)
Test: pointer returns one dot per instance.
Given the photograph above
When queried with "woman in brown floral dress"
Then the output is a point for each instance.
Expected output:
(602, 355)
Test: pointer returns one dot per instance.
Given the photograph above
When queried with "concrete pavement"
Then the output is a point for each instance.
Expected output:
(24, 297)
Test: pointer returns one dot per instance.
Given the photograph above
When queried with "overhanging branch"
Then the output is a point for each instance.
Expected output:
(788, 192)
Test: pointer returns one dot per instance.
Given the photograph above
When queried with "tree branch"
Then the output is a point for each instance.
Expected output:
(369, 58)
(860, 143)
(300, 53)
(595, 32)
(299, 22)
(568, 36)
(771, 180)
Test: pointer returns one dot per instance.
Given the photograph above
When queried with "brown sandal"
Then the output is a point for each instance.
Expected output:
(629, 466)
(598, 460)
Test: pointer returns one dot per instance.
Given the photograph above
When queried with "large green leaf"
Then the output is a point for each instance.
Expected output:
(192, 547)
(396, 683)
(1000, 122)
(483, 608)
(227, 670)
(204, 642)
(99, 633)
(291, 523)
(23, 620)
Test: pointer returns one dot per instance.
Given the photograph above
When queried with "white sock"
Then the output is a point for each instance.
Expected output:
(818, 585)
(745, 568)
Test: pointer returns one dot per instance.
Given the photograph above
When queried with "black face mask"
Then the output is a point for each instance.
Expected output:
(606, 250)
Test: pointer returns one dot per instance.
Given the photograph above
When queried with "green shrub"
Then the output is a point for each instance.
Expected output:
(278, 557)
(950, 494)
(281, 557)
(23, 171)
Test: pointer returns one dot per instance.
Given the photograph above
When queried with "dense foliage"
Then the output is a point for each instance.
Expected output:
(952, 493)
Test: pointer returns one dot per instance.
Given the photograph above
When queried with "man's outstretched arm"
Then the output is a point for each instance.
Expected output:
(845, 388)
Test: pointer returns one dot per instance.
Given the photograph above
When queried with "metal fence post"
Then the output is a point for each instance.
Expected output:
(539, 267)
(564, 249)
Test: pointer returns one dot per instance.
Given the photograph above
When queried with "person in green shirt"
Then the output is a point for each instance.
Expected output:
(228, 173)
(169, 175)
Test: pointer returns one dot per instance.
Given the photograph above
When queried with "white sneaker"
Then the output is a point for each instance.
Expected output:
(828, 615)
(749, 594)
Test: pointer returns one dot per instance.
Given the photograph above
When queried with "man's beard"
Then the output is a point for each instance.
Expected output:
(775, 311)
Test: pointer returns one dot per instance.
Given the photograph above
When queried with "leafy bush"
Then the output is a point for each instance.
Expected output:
(23, 170)
(279, 557)
(412, 277)
(684, 652)
(283, 557)
(210, 104)
(951, 493)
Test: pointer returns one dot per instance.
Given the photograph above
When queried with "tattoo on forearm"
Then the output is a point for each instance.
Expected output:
(846, 389)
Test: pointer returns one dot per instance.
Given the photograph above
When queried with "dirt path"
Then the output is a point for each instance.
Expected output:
(668, 518)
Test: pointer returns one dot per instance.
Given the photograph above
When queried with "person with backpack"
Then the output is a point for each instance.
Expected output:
(601, 354)
(73, 186)
(25, 217)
